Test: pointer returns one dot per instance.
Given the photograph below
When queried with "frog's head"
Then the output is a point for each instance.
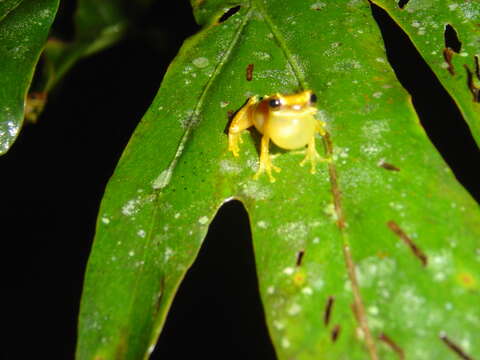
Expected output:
(295, 104)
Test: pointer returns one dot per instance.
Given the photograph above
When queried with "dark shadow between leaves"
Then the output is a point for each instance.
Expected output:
(217, 312)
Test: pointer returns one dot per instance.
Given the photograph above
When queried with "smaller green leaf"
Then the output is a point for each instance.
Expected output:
(425, 22)
(24, 28)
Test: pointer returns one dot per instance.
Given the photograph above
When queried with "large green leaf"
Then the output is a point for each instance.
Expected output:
(375, 256)
(24, 27)
(458, 70)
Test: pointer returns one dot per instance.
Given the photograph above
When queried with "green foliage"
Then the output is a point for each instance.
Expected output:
(457, 69)
(374, 256)
(24, 27)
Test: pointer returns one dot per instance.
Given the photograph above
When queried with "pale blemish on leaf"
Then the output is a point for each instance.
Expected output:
(131, 207)
(285, 343)
(262, 224)
(230, 166)
(255, 190)
(296, 231)
(294, 309)
(307, 290)
(201, 62)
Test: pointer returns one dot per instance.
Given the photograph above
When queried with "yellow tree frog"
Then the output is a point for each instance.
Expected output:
(287, 120)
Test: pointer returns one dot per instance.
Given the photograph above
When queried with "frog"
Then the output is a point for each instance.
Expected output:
(288, 120)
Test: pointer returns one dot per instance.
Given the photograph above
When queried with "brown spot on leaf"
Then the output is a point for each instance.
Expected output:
(393, 345)
(448, 55)
(388, 166)
(250, 72)
(300, 255)
(455, 348)
(335, 332)
(471, 84)
(328, 310)
(402, 235)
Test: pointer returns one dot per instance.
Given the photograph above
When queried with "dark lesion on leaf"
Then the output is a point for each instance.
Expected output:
(328, 310)
(300, 255)
(388, 166)
(335, 332)
(448, 55)
(454, 347)
(471, 75)
(250, 72)
(392, 345)
(227, 14)
(402, 235)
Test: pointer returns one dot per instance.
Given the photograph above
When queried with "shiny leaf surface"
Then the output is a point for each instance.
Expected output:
(374, 256)
(24, 27)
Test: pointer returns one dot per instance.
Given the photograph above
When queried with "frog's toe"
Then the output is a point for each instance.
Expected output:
(260, 172)
(234, 150)
(270, 177)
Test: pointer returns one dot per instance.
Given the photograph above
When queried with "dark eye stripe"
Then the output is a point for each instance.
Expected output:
(313, 98)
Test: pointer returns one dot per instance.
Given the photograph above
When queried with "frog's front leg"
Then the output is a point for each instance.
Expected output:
(312, 155)
(265, 162)
(241, 121)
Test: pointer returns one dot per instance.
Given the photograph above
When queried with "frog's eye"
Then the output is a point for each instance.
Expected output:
(313, 98)
(274, 103)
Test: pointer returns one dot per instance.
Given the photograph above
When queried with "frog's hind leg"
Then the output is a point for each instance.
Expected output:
(312, 155)
(241, 121)
(265, 162)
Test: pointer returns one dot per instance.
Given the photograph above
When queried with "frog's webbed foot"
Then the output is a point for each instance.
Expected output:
(266, 166)
(312, 156)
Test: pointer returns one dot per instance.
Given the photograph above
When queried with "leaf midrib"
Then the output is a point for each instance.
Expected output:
(328, 144)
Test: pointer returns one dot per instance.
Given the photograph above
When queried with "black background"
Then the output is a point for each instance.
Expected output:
(54, 176)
